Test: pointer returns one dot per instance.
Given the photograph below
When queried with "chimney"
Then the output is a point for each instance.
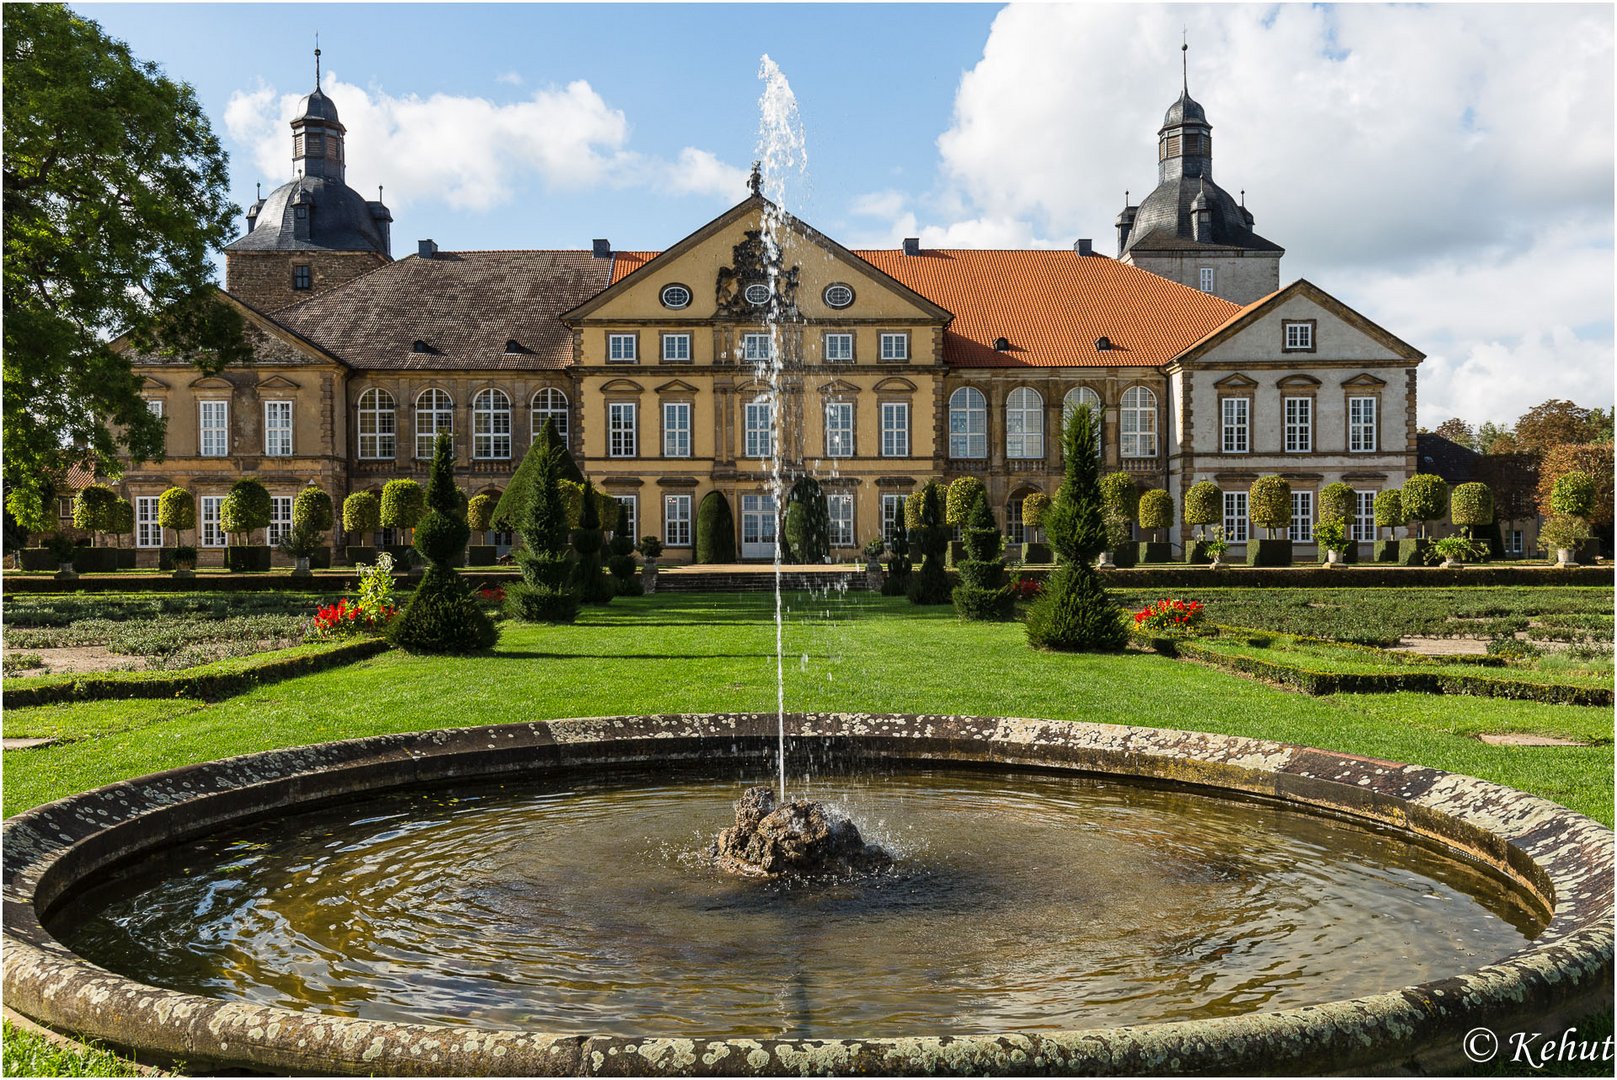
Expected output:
(1084, 247)
(912, 245)
(602, 249)
(426, 249)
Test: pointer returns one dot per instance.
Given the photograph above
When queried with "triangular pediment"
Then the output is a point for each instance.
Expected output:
(677, 386)
(277, 382)
(1364, 380)
(1236, 381)
(838, 386)
(1256, 333)
(147, 382)
(211, 382)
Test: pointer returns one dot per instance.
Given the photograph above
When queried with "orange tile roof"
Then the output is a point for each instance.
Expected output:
(625, 263)
(1052, 305)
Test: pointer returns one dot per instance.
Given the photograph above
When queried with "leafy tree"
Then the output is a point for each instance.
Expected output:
(896, 582)
(1594, 460)
(1389, 510)
(912, 509)
(547, 592)
(1119, 495)
(403, 503)
(1075, 613)
(1457, 431)
(509, 511)
(1471, 506)
(620, 561)
(442, 617)
(808, 522)
(1338, 504)
(177, 511)
(1269, 502)
(1492, 438)
(715, 530)
(588, 540)
(312, 508)
(1426, 498)
(30, 508)
(123, 519)
(1204, 506)
(1573, 494)
(1033, 508)
(94, 508)
(1552, 423)
(963, 492)
(480, 512)
(115, 199)
(983, 592)
(1156, 510)
(931, 584)
(246, 507)
(361, 515)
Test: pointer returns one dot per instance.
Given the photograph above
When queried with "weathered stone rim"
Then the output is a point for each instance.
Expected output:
(1561, 858)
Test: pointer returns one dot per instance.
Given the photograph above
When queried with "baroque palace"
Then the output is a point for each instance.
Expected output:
(899, 366)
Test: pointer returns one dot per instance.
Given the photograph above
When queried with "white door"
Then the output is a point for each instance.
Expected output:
(757, 526)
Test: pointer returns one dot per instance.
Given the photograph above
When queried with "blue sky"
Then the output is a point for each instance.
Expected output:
(1446, 169)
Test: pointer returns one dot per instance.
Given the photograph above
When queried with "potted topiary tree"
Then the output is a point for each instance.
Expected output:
(1119, 502)
(245, 508)
(1156, 515)
(66, 553)
(123, 525)
(443, 616)
(651, 549)
(480, 518)
(1269, 501)
(620, 556)
(95, 511)
(313, 511)
(1034, 504)
(715, 530)
(404, 503)
(961, 495)
(1389, 511)
(983, 593)
(1204, 506)
(1562, 534)
(1426, 498)
(1470, 507)
(361, 517)
(176, 512)
(1572, 498)
(1337, 506)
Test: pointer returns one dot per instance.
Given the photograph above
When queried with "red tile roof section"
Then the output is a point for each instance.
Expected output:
(1050, 305)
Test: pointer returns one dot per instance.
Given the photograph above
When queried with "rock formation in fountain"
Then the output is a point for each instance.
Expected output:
(770, 840)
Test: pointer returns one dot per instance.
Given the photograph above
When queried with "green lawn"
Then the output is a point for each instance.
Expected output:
(710, 653)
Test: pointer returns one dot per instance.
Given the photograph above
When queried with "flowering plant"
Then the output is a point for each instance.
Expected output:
(491, 594)
(373, 611)
(1027, 588)
(1168, 618)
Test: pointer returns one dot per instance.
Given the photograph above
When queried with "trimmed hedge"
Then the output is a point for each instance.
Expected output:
(1365, 575)
(209, 682)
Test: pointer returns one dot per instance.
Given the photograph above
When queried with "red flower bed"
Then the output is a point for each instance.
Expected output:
(491, 594)
(343, 617)
(1028, 588)
(1168, 618)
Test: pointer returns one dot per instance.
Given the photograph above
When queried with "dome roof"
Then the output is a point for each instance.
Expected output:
(339, 219)
(1166, 218)
(1184, 111)
(317, 106)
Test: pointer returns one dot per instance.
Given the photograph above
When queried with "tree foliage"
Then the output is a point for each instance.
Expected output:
(1456, 430)
(246, 507)
(361, 513)
(1156, 510)
(1573, 493)
(508, 512)
(31, 508)
(1426, 498)
(588, 542)
(1269, 503)
(808, 522)
(1033, 508)
(1470, 506)
(403, 503)
(547, 592)
(715, 530)
(930, 584)
(442, 617)
(963, 492)
(1554, 423)
(1119, 496)
(1338, 504)
(620, 561)
(983, 592)
(312, 509)
(480, 512)
(94, 508)
(1204, 504)
(1593, 460)
(177, 509)
(1389, 509)
(116, 195)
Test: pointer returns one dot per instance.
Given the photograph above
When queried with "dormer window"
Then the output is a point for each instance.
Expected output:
(512, 345)
(1103, 344)
(420, 346)
(1002, 344)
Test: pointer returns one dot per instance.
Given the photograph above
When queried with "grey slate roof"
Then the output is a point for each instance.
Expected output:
(340, 220)
(464, 304)
(317, 106)
(1164, 219)
(1185, 110)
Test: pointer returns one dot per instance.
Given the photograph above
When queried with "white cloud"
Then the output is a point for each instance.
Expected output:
(471, 153)
(1446, 169)
(508, 78)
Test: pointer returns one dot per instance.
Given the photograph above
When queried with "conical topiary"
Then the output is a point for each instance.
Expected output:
(593, 586)
(443, 616)
(547, 591)
(983, 592)
(620, 560)
(931, 584)
(509, 511)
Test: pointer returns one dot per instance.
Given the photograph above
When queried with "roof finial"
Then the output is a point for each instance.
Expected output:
(258, 191)
(317, 60)
(755, 182)
(1243, 198)
(378, 192)
(1184, 59)
(1125, 196)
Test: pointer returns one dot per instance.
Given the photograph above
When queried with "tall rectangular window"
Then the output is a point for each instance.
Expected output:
(1299, 425)
(620, 430)
(1302, 517)
(1235, 522)
(214, 424)
(760, 429)
(209, 534)
(757, 348)
(1364, 515)
(839, 429)
(1361, 425)
(1513, 542)
(301, 278)
(676, 429)
(839, 348)
(621, 349)
(895, 429)
(895, 346)
(677, 520)
(892, 514)
(1207, 279)
(632, 504)
(676, 348)
(840, 509)
(1237, 425)
(280, 519)
(148, 534)
(155, 406)
(277, 429)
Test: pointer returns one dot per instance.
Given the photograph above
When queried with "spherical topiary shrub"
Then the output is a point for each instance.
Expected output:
(1471, 506)
(715, 530)
(1119, 495)
(1574, 494)
(1269, 502)
(963, 492)
(1156, 510)
(1204, 504)
(95, 508)
(177, 510)
(1426, 498)
(1389, 510)
(246, 507)
(122, 518)
(361, 513)
(480, 512)
(1338, 504)
(312, 509)
(1033, 508)
(403, 503)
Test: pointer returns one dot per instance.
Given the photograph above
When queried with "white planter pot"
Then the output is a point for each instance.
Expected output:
(1105, 562)
(65, 572)
(300, 566)
(1565, 557)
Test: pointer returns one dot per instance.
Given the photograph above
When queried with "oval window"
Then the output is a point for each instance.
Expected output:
(757, 295)
(838, 295)
(676, 296)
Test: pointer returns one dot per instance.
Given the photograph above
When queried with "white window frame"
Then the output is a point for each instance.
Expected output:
(1206, 278)
(892, 512)
(622, 348)
(1302, 517)
(155, 406)
(633, 503)
(1363, 425)
(839, 429)
(378, 425)
(1024, 424)
(148, 533)
(676, 429)
(1514, 542)
(1299, 336)
(491, 425)
(1237, 425)
(1299, 417)
(895, 429)
(1137, 423)
(676, 521)
(838, 348)
(895, 346)
(277, 434)
(839, 508)
(213, 435)
(1016, 530)
(538, 413)
(968, 424)
(676, 348)
(280, 519)
(1364, 515)
(758, 348)
(1236, 517)
(1083, 395)
(434, 412)
(622, 436)
(209, 532)
(758, 428)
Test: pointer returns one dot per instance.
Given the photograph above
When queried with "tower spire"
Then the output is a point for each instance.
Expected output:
(317, 60)
(1184, 59)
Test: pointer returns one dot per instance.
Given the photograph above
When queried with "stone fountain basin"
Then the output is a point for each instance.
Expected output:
(1560, 860)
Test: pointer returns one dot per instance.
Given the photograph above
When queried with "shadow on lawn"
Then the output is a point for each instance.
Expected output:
(526, 654)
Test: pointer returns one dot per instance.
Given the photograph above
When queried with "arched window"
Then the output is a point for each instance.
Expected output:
(1024, 424)
(434, 412)
(1083, 395)
(378, 421)
(550, 404)
(491, 425)
(1138, 419)
(968, 424)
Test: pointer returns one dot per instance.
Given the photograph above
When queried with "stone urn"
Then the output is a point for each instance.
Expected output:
(648, 576)
(1566, 557)
(1105, 562)
(1217, 562)
(873, 576)
(1333, 560)
(184, 569)
(65, 572)
(300, 566)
